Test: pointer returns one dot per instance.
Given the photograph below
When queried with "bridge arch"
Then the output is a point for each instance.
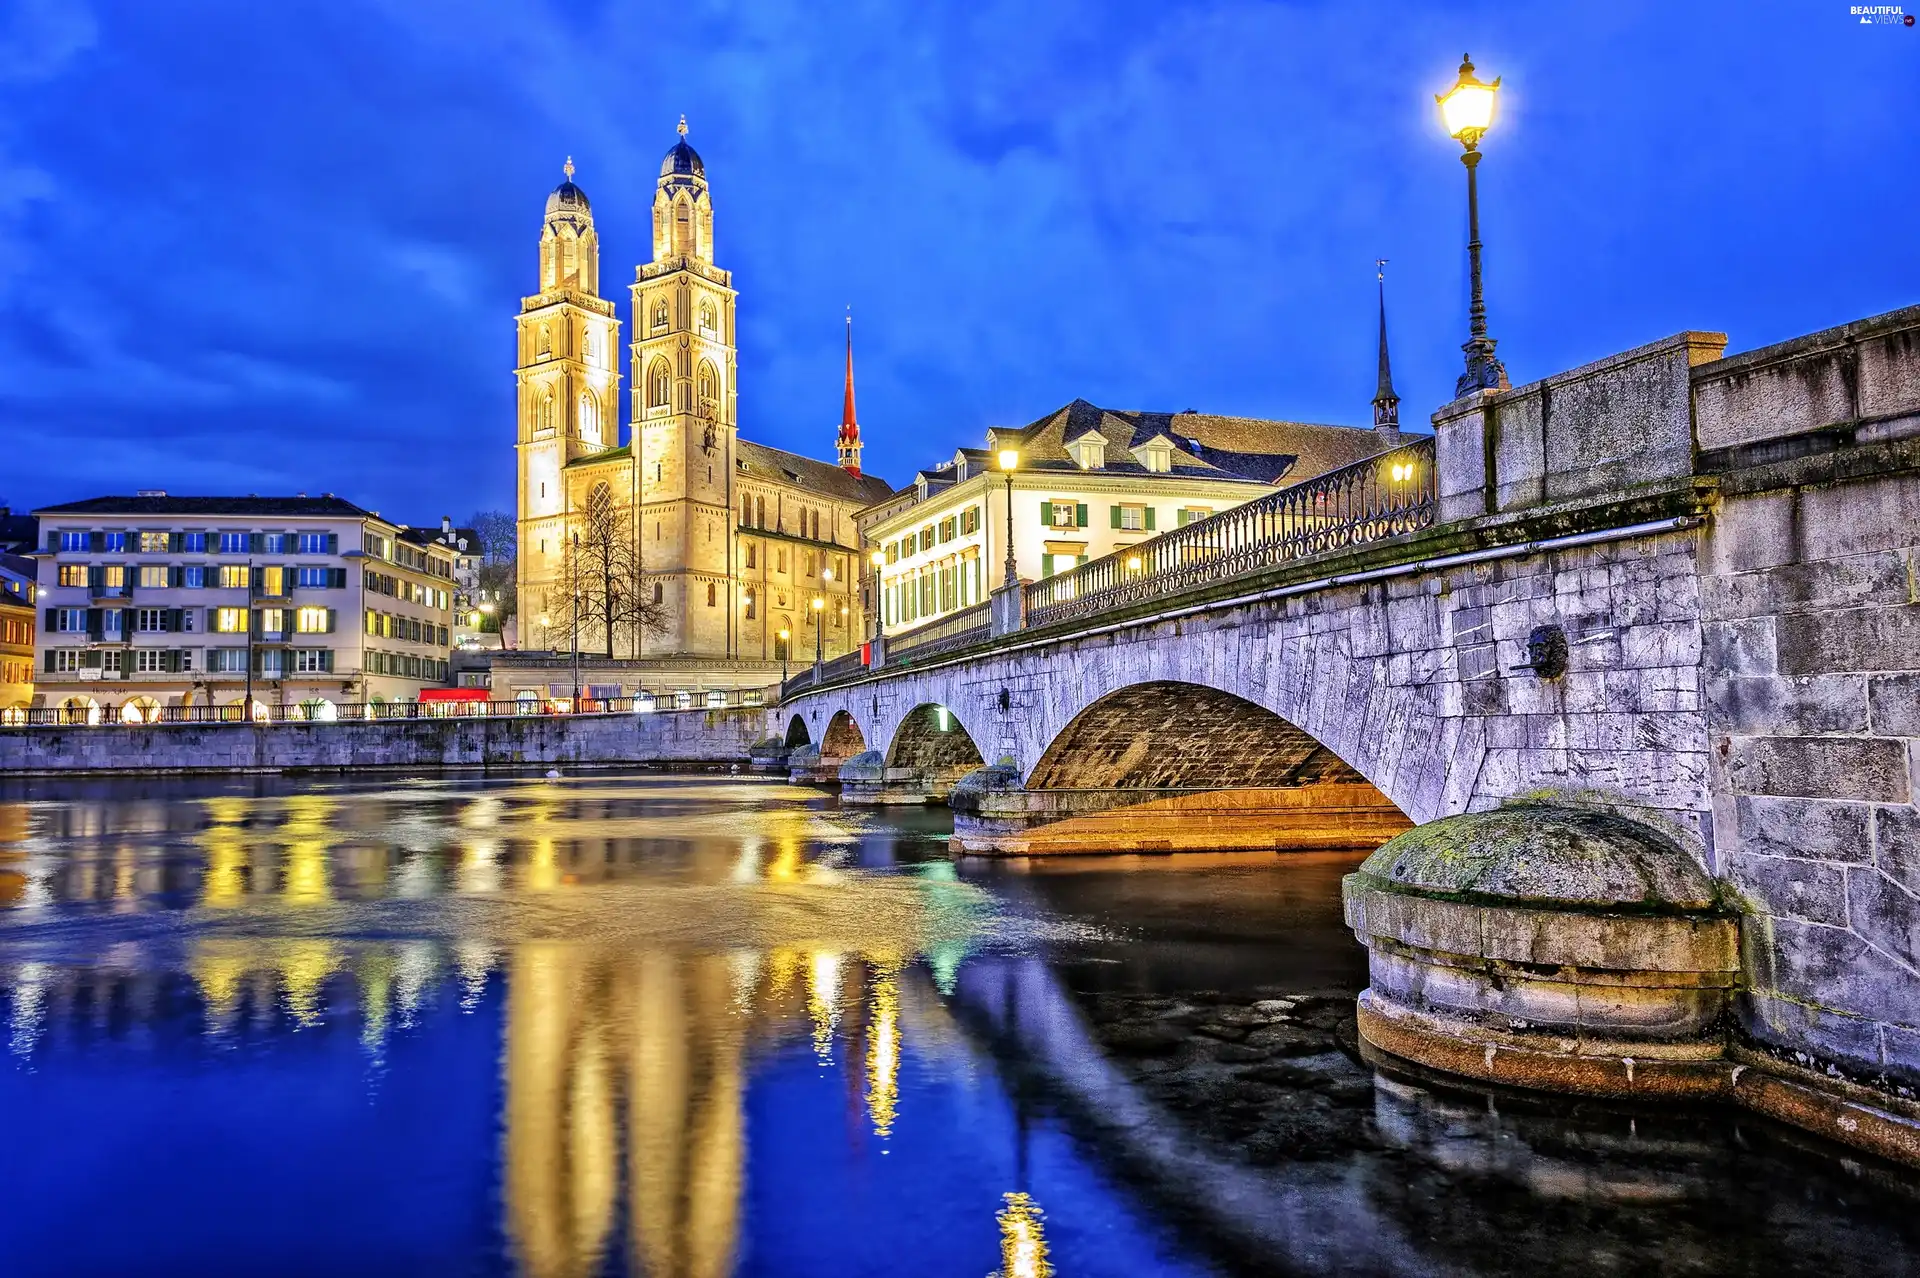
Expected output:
(843, 738)
(797, 732)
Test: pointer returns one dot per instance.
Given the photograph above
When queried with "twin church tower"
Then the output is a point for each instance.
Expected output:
(734, 540)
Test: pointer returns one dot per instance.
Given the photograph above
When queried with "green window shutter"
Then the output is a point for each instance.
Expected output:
(1149, 519)
(1114, 513)
(173, 621)
(47, 626)
(1046, 512)
(1080, 515)
(95, 626)
(1079, 560)
(96, 576)
(175, 575)
(96, 541)
(1179, 519)
(49, 661)
(331, 614)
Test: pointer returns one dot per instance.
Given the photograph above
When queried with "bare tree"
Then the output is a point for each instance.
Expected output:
(609, 604)
(499, 571)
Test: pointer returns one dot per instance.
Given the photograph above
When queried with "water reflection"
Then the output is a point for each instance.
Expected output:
(697, 1028)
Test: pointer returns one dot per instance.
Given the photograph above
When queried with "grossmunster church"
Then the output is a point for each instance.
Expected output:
(732, 540)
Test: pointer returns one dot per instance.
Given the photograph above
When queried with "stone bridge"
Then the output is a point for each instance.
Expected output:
(1675, 586)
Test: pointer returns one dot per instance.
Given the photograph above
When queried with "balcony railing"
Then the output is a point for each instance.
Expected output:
(1369, 501)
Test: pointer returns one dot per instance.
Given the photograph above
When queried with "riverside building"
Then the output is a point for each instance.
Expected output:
(1090, 481)
(153, 602)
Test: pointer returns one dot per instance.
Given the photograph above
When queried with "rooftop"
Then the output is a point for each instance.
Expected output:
(324, 506)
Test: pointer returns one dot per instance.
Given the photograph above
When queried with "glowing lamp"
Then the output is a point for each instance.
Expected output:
(1467, 108)
(879, 558)
(1009, 459)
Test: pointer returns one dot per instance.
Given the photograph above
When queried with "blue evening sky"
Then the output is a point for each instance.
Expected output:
(253, 247)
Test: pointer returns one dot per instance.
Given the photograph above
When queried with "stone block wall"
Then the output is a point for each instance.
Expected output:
(1810, 617)
(671, 736)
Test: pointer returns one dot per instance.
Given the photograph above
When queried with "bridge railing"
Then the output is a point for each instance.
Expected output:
(956, 630)
(1381, 497)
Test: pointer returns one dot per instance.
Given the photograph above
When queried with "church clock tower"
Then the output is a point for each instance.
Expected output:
(569, 404)
(684, 411)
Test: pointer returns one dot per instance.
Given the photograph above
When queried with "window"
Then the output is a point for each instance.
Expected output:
(707, 384)
(234, 577)
(926, 537)
(315, 543)
(948, 529)
(274, 544)
(66, 660)
(111, 623)
(69, 621)
(660, 313)
(112, 661)
(808, 564)
(1062, 514)
(312, 660)
(74, 541)
(706, 316)
(782, 556)
(114, 541)
(1192, 514)
(753, 555)
(313, 621)
(230, 621)
(153, 543)
(659, 385)
(710, 594)
(750, 606)
(232, 543)
(148, 660)
(970, 520)
(1130, 518)
(73, 574)
(226, 660)
(589, 416)
(656, 592)
(313, 578)
(114, 576)
(273, 661)
(150, 620)
(193, 576)
(153, 576)
(194, 543)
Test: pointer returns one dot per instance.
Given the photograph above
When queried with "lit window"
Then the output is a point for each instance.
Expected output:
(115, 576)
(273, 621)
(153, 576)
(230, 621)
(1061, 514)
(153, 543)
(312, 621)
(73, 574)
(234, 577)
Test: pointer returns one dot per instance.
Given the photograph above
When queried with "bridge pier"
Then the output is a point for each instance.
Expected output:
(867, 779)
(993, 815)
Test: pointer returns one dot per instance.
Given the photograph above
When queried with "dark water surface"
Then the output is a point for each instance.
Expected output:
(697, 1026)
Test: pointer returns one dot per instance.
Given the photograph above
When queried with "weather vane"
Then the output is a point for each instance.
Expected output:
(1380, 268)
(683, 124)
(567, 168)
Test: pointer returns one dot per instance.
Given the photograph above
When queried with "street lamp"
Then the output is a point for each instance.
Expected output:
(786, 647)
(879, 561)
(1010, 462)
(819, 648)
(573, 626)
(1467, 111)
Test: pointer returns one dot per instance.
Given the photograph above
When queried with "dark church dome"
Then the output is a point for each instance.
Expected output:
(682, 159)
(567, 198)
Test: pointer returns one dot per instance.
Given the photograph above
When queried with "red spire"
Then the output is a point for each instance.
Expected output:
(849, 424)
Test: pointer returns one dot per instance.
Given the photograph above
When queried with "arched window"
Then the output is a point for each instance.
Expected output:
(682, 228)
(750, 603)
(783, 629)
(590, 347)
(712, 594)
(589, 417)
(707, 387)
(759, 512)
(660, 313)
(657, 594)
(599, 510)
(706, 317)
(546, 341)
(543, 414)
(659, 383)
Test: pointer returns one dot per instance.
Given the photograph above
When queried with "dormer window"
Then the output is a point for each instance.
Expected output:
(1090, 452)
(1156, 455)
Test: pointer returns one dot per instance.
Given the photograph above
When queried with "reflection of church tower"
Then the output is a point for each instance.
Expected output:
(569, 384)
(656, 1039)
(684, 409)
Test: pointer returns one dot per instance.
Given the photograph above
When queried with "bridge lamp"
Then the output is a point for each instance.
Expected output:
(819, 645)
(1401, 472)
(1010, 462)
(942, 717)
(786, 648)
(1133, 563)
(1467, 112)
(878, 559)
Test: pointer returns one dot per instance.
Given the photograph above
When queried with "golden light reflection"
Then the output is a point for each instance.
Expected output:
(305, 966)
(219, 968)
(1023, 1241)
(883, 1049)
(543, 867)
(823, 1002)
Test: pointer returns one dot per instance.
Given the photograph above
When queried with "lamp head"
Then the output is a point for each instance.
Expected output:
(879, 558)
(1133, 563)
(785, 633)
(818, 603)
(1467, 108)
(826, 574)
(1009, 459)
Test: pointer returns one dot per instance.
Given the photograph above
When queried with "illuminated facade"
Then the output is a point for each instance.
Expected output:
(152, 601)
(18, 593)
(731, 541)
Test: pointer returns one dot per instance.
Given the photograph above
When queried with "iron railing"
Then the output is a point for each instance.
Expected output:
(847, 663)
(1381, 497)
(321, 711)
(955, 630)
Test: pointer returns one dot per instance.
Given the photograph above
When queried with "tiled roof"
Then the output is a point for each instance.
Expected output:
(322, 506)
(438, 536)
(821, 477)
(1206, 445)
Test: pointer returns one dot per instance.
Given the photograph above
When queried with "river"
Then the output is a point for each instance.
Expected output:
(699, 1026)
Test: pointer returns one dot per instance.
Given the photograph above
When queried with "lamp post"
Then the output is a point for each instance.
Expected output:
(879, 560)
(819, 650)
(573, 625)
(786, 648)
(1467, 111)
(1010, 462)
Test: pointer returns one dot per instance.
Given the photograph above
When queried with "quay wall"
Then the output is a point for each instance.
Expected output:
(667, 736)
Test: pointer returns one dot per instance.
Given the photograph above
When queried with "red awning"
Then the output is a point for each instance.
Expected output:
(431, 695)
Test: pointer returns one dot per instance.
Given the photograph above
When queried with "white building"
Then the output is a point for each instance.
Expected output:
(1090, 481)
(151, 602)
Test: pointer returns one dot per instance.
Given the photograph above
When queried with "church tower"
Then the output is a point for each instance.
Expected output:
(569, 405)
(849, 442)
(684, 412)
